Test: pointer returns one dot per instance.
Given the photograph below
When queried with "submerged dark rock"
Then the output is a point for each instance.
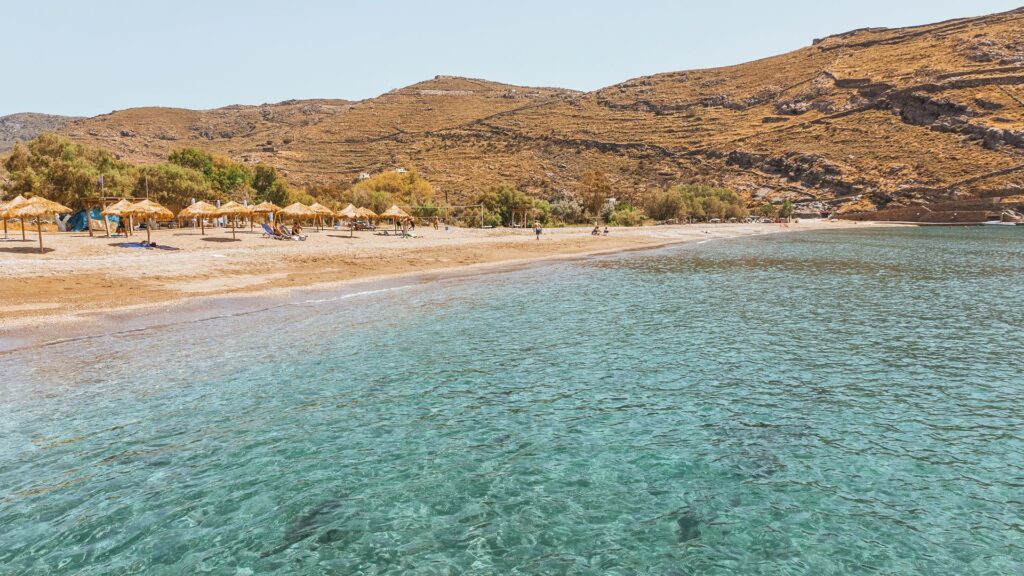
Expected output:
(308, 524)
(689, 526)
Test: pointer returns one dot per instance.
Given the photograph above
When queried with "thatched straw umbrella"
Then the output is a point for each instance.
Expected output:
(16, 202)
(198, 210)
(296, 211)
(37, 207)
(151, 211)
(118, 209)
(349, 213)
(264, 208)
(321, 211)
(395, 214)
(366, 213)
(233, 209)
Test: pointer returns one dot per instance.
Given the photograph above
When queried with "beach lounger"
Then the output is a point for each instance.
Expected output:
(269, 232)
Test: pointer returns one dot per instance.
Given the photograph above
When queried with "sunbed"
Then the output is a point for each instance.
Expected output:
(269, 233)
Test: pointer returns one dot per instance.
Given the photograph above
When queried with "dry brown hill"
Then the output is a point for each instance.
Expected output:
(26, 126)
(873, 117)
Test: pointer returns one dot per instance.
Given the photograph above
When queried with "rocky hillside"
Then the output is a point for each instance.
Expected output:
(26, 126)
(869, 118)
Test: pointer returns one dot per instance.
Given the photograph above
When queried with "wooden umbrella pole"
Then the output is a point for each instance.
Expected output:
(106, 220)
(202, 226)
(23, 230)
(39, 227)
(234, 222)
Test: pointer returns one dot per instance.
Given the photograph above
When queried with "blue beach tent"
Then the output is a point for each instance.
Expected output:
(78, 223)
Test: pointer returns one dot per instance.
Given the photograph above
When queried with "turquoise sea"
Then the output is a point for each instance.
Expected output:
(840, 402)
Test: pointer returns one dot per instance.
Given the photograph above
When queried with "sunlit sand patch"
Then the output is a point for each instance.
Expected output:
(220, 284)
(28, 307)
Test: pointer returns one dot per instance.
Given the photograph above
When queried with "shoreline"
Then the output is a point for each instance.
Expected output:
(41, 320)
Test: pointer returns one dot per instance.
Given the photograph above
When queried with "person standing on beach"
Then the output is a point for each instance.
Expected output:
(536, 228)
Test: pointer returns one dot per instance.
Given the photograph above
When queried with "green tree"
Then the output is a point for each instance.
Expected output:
(193, 158)
(23, 179)
(61, 170)
(567, 210)
(300, 196)
(626, 215)
(174, 185)
(510, 204)
(278, 193)
(407, 188)
(18, 160)
(595, 191)
(786, 211)
(263, 178)
(666, 204)
(230, 178)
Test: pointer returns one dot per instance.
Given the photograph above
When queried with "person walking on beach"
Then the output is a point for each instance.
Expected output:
(536, 228)
(435, 222)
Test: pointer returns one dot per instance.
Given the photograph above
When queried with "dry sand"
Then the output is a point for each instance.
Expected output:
(81, 277)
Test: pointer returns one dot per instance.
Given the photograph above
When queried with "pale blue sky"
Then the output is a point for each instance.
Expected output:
(86, 58)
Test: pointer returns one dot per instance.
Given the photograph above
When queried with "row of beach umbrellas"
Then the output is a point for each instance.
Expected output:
(38, 207)
(295, 211)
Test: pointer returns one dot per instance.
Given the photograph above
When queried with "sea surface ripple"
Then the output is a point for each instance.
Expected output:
(842, 402)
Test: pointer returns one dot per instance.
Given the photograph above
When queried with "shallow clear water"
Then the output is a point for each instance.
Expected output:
(820, 403)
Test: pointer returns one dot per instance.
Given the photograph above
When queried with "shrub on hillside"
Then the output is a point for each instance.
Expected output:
(626, 215)
(408, 188)
(695, 201)
(567, 210)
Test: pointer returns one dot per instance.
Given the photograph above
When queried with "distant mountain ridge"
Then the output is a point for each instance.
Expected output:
(869, 118)
(27, 125)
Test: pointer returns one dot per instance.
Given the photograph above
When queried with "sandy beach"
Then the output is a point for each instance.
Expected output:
(80, 277)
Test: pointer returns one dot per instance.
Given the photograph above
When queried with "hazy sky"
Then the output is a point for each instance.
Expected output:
(87, 58)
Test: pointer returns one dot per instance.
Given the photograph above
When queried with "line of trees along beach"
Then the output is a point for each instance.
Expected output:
(70, 173)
